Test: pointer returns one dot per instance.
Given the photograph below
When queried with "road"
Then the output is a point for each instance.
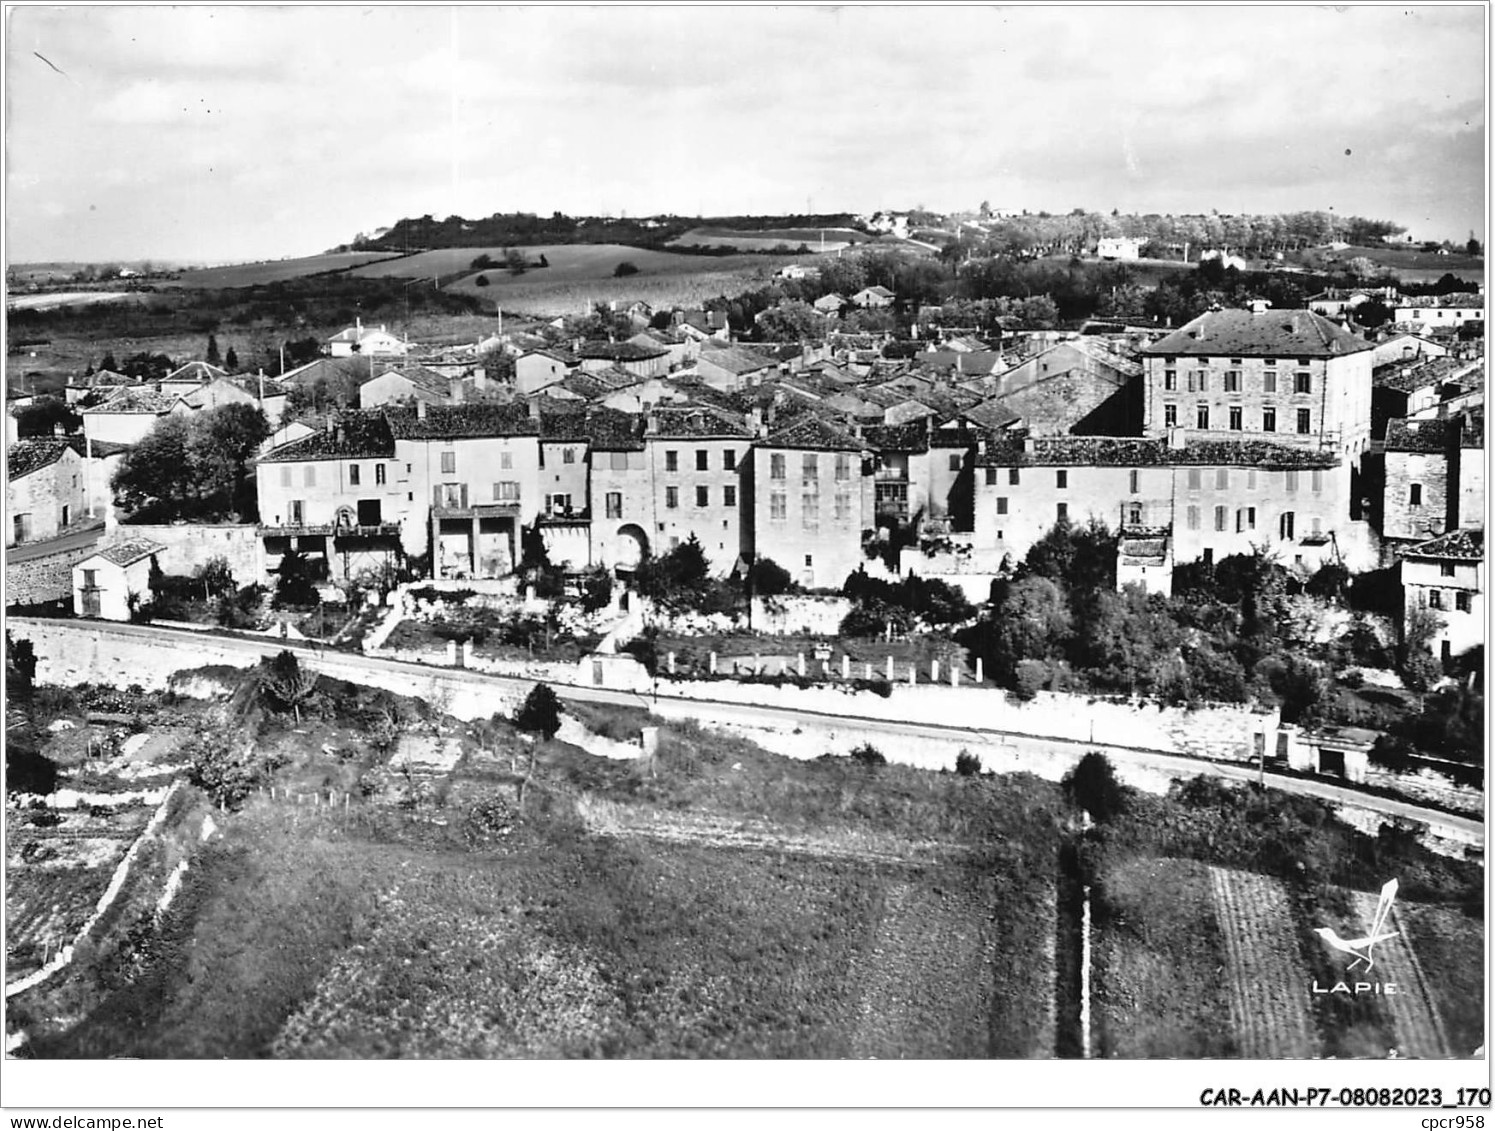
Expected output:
(29, 551)
(349, 665)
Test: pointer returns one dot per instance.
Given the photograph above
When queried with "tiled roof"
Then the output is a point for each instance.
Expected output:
(128, 551)
(697, 421)
(144, 399)
(990, 414)
(199, 371)
(101, 449)
(333, 369)
(1464, 545)
(810, 432)
(1008, 450)
(1406, 378)
(462, 421)
(735, 359)
(421, 377)
(1274, 333)
(102, 378)
(586, 385)
(1473, 434)
(353, 435)
(620, 351)
(27, 456)
(614, 431)
(978, 362)
(958, 438)
(898, 437)
(1463, 301)
(1417, 436)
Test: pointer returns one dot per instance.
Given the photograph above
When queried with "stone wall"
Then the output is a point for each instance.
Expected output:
(43, 579)
(191, 545)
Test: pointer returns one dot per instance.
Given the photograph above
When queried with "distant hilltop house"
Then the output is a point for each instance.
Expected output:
(1226, 259)
(368, 341)
(887, 223)
(1119, 247)
(873, 298)
(1336, 301)
(797, 271)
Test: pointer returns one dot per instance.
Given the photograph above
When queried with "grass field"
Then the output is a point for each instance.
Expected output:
(275, 270)
(1410, 264)
(768, 239)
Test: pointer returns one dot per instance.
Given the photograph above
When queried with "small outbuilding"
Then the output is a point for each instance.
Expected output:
(112, 581)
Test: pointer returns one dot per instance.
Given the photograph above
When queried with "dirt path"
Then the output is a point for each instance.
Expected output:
(1419, 1028)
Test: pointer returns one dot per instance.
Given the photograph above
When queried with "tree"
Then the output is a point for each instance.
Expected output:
(295, 583)
(1473, 248)
(227, 767)
(481, 281)
(224, 440)
(20, 668)
(158, 468)
(109, 363)
(43, 417)
(596, 589)
(212, 354)
(231, 360)
(514, 261)
(540, 713)
(766, 578)
(287, 682)
(482, 263)
(789, 322)
(677, 578)
(1032, 623)
(624, 269)
(1092, 785)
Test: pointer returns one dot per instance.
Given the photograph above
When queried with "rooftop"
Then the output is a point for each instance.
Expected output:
(697, 421)
(127, 551)
(27, 456)
(1417, 435)
(142, 399)
(462, 422)
(1407, 378)
(620, 351)
(353, 435)
(736, 359)
(1461, 545)
(1273, 333)
(1015, 449)
(810, 432)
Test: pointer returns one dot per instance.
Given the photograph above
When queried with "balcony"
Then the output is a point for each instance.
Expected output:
(560, 516)
(335, 530)
(477, 510)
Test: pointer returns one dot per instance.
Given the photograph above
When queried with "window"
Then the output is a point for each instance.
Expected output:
(1305, 421)
(1170, 416)
(671, 498)
(1285, 526)
(1191, 518)
(1269, 361)
(1414, 495)
(1170, 379)
(776, 466)
(1134, 514)
(778, 506)
(1317, 478)
(615, 504)
(1302, 382)
(1135, 480)
(1232, 380)
(1203, 378)
(1222, 479)
(558, 504)
(809, 469)
(309, 475)
(506, 491)
(1221, 514)
(956, 459)
(1001, 504)
(810, 510)
(379, 475)
(1446, 569)
(285, 475)
(1461, 602)
(1245, 519)
(703, 496)
(672, 461)
(1194, 478)
(1062, 511)
(1014, 476)
(90, 579)
(568, 455)
(1269, 420)
(1235, 418)
(298, 512)
(1203, 416)
(1269, 380)
(1305, 362)
(729, 460)
(355, 473)
(1251, 479)
(1290, 481)
(843, 505)
(1235, 361)
(729, 495)
(991, 476)
(1435, 598)
(617, 461)
(1061, 478)
(448, 463)
(843, 466)
(703, 460)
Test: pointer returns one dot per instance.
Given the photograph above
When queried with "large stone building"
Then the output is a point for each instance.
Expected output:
(1209, 498)
(1288, 376)
(695, 459)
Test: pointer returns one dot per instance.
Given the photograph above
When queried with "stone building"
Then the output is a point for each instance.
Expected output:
(695, 456)
(1446, 575)
(46, 489)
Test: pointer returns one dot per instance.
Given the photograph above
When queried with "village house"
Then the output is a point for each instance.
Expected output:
(540, 369)
(1429, 313)
(813, 498)
(621, 495)
(1118, 247)
(830, 305)
(634, 358)
(1339, 302)
(1415, 388)
(98, 385)
(189, 377)
(357, 339)
(695, 457)
(338, 378)
(406, 384)
(873, 298)
(1082, 387)
(733, 367)
(1211, 498)
(114, 580)
(130, 413)
(1405, 349)
(257, 391)
(1288, 376)
(46, 489)
(1446, 576)
(565, 483)
(699, 325)
(1434, 478)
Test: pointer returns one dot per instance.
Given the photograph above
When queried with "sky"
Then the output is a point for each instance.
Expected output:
(226, 134)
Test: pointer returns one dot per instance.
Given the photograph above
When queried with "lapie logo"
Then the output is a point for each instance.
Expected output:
(1362, 949)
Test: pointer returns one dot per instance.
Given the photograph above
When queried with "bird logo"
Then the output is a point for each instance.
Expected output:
(1361, 948)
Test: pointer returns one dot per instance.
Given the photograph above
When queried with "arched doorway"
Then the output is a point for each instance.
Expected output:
(630, 547)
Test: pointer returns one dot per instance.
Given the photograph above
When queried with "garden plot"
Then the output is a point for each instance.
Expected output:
(1449, 943)
(1269, 998)
(1419, 1028)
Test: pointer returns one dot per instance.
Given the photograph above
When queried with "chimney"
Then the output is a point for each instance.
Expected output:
(480, 379)
(651, 425)
(532, 406)
(456, 391)
(420, 409)
(342, 435)
(358, 321)
(331, 425)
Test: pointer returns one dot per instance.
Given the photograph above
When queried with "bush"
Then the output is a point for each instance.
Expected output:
(1092, 785)
(967, 765)
(481, 281)
(228, 771)
(1031, 677)
(541, 712)
(624, 269)
(868, 755)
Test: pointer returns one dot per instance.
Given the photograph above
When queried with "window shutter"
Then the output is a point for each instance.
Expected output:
(464, 496)
(436, 495)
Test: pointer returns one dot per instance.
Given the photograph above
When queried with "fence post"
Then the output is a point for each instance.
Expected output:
(913, 675)
(846, 666)
(672, 663)
(712, 663)
(980, 675)
(801, 665)
(869, 669)
(934, 671)
(890, 668)
(757, 664)
(954, 674)
(467, 653)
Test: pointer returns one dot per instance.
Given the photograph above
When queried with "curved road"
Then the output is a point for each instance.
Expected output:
(350, 665)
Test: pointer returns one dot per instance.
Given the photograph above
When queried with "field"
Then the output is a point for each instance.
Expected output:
(275, 270)
(55, 299)
(769, 239)
(1410, 264)
(1198, 960)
